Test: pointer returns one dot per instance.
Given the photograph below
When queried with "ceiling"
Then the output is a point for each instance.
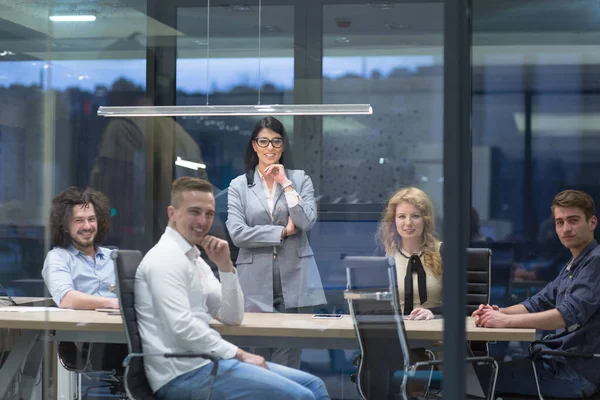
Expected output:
(505, 31)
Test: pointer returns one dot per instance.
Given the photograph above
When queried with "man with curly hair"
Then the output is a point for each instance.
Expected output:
(78, 272)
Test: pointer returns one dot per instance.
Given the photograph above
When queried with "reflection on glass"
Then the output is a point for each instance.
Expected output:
(189, 164)
(365, 159)
(535, 103)
(129, 150)
(53, 76)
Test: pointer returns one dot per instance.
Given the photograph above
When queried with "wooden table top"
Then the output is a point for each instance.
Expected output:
(255, 324)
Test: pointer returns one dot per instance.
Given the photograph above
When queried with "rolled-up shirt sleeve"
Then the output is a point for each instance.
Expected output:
(57, 274)
(581, 299)
(226, 302)
(543, 300)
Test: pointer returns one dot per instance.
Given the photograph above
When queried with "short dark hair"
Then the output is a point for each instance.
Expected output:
(575, 198)
(188, 184)
(276, 126)
(62, 211)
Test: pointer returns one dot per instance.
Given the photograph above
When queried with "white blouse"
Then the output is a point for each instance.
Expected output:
(433, 283)
(291, 196)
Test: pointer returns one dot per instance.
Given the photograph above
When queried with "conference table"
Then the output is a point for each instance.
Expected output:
(257, 329)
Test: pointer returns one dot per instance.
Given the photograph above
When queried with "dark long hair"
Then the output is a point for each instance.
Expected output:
(62, 211)
(276, 126)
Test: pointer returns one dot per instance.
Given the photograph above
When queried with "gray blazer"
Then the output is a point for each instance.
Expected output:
(256, 233)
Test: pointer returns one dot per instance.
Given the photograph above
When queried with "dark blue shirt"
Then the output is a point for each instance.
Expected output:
(576, 294)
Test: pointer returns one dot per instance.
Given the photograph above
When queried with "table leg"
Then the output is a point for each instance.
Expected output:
(31, 375)
(11, 369)
(50, 379)
(473, 386)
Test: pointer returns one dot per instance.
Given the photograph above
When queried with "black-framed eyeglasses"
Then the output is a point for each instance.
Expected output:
(264, 142)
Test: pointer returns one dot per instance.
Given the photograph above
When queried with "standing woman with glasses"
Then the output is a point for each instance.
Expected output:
(270, 209)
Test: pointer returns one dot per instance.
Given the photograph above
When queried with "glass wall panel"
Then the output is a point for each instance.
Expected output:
(53, 78)
(534, 103)
(375, 54)
(229, 65)
(362, 52)
(390, 55)
(55, 75)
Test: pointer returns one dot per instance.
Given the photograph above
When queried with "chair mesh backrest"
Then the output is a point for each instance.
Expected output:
(478, 277)
(379, 327)
(126, 265)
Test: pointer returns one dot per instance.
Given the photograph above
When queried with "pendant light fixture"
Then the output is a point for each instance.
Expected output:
(235, 110)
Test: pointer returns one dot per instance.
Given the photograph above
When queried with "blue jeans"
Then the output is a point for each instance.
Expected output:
(557, 379)
(238, 380)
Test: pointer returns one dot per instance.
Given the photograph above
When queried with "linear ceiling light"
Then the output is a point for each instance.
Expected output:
(563, 124)
(72, 18)
(189, 164)
(271, 109)
(235, 110)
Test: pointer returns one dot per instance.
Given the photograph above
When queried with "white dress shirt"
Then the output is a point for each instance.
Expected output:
(176, 296)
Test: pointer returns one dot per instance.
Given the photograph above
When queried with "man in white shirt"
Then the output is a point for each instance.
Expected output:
(176, 296)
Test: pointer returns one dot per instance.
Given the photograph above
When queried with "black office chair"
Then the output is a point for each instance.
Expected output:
(136, 382)
(100, 362)
(385, 366)
(479, 261)
(534, 354)
(538, 352)
(501, 274)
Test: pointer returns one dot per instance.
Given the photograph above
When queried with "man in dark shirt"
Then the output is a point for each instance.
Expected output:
(570, 304)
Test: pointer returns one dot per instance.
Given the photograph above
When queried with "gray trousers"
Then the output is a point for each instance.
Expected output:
(283, 356)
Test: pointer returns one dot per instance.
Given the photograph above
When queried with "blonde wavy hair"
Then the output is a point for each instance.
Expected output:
(390, 239)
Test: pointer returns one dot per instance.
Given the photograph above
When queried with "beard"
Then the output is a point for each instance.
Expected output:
(85, 243)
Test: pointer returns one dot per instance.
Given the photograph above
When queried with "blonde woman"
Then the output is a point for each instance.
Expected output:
(407, 233)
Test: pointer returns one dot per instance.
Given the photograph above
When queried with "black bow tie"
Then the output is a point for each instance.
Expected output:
(414, 266)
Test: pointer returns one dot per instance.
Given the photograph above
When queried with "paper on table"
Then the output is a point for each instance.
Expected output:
(32, 309)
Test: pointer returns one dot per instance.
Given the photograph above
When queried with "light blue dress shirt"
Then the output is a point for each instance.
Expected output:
(67, 269)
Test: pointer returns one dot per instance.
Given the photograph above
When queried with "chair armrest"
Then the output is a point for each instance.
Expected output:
(486, 360)
(535, 354)
(377, 296)
(412, 373)
(418, 375)
(191, 355)
(127, 359)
